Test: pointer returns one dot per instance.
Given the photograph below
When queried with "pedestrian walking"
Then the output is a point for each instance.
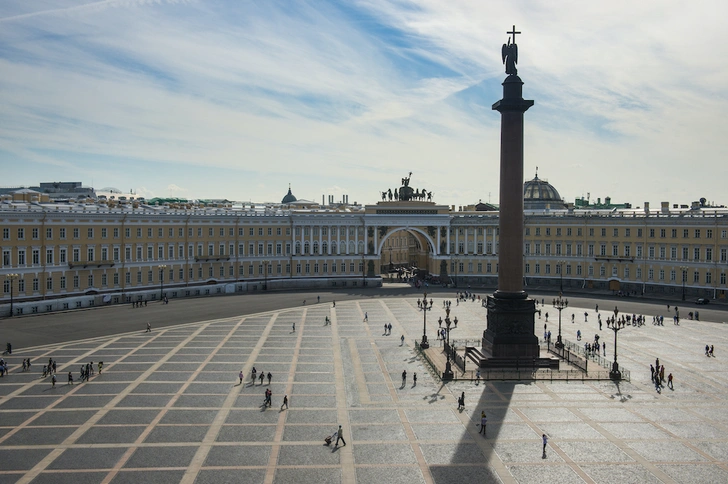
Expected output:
(334, 304)
(366, 316)
(652, 373)
(53, 381)
(70, 378)
(101, 366)
(340, 436)
(414, 379)
(149, 327)
(285, 402)
(461, 401)
(262, 375)
(483, 422)
(318, 299)
(401, 341)
(269, 377)
(253, 372)
(385, 330)
(669, 381)
(294, 327)
(545, 441)
(240, 375)
(404, 377)
(711, 350)
(389, 329)
(54, 366)
(477, 375)
(707, 350)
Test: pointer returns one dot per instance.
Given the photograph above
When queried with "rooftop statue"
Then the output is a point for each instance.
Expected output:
(509, 52)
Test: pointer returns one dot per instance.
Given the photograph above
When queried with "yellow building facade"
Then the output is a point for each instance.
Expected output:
(118, 254)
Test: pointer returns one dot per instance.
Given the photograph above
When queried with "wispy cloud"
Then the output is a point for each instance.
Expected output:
(236, 99)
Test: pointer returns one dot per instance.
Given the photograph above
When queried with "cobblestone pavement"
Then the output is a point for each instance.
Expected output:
(168, 406)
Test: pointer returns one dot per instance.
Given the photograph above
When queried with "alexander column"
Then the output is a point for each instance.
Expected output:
(510, 331)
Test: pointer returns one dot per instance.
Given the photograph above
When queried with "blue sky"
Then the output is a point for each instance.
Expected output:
(237, 99)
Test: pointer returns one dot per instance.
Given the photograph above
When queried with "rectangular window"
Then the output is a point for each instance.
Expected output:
(35, 233)
(103, 279)
(708, 253)
(62, 256)
(90, 233)
(103, 232)
(104, 253)
(537, 269)
(21, 234)
(76, 282)
(62, 232)
(652, 233)
(127, 232)
(63, 282)
(116, 278)
(616, 232)
(663, 233)
(90, 280)
(697, 233)
(673, 233)
(36, 256)
(638, 273)
(696, 253)
(696, 277)
(49, 256)
(709, 233)
(49, 283)
(36, 285)
(90, 254)
(116, 232)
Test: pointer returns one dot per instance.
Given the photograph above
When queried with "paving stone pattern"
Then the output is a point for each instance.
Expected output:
(169, 407)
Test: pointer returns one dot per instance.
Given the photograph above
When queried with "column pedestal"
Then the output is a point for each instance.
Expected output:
(510, 332)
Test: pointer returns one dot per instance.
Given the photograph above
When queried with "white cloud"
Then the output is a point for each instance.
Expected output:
(237, 99)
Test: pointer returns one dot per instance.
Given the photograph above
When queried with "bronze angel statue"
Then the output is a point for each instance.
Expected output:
(509, 53)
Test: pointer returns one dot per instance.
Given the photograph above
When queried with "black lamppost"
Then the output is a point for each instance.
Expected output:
(265, 274)
(561, 276)
(684, 271)
(162, 267)
(424, 344)
(11, 278)
(615, 374)
(560, 304)
(448, 374)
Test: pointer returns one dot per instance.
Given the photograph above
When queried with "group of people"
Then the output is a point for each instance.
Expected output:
(138, 304)
(3, 367)
(253, 373)
(658, 376)
(709, 350)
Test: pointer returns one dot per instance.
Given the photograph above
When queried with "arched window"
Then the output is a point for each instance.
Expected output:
(361, 246)
(342, 247)
(315, 247)
(324, 248)
(306, 248)
(352, 247)
(298, 248)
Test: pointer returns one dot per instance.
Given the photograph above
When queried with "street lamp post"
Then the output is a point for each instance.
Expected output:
(265, 274)
(424, 344)
(561, 276)
(684, 271)
(448, 374)
(11, 278)
(615, 374)
(560, 304)
(162, 267)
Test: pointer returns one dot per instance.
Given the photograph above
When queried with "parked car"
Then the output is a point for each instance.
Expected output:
(702, 300)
